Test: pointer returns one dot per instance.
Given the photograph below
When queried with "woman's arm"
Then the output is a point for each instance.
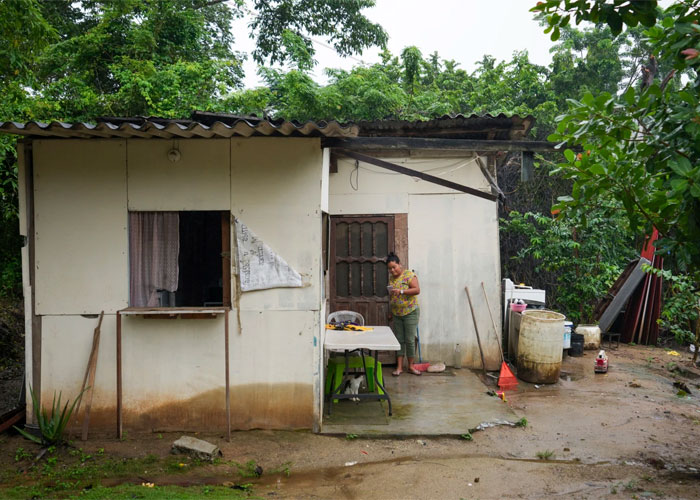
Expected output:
(413, 288)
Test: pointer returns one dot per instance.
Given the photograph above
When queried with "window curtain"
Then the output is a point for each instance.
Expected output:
(154, 250)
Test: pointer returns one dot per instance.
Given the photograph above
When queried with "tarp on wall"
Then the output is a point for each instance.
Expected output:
(259, 266)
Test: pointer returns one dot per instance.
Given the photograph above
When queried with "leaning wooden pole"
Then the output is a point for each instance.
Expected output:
(495, 330)
(119, 375)
(476, 329)
(228, 394)
(92, 368)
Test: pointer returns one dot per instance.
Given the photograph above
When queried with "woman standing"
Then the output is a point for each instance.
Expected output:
(404, 309)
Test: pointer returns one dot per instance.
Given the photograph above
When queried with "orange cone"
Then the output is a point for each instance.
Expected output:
(506, 379)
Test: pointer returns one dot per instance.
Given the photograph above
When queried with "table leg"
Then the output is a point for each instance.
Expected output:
(377, 383)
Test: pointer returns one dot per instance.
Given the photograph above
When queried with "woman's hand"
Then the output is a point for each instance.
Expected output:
(396, 291)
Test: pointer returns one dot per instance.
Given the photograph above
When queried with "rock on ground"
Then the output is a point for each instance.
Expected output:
(196, 448)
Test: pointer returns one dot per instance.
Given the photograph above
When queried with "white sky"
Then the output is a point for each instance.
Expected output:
(461, 30)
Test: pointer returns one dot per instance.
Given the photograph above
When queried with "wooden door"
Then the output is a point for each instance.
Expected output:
(358, 273)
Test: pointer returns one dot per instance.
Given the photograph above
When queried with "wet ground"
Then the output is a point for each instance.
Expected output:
(434, 404)
(624, 434)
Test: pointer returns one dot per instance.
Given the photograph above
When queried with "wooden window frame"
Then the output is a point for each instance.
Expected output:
(196, 312)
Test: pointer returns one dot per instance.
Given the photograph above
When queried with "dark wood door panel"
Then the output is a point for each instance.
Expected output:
(358, 273)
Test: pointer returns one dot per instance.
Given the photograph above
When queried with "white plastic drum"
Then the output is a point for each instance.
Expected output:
(591, 336)
(540, 346)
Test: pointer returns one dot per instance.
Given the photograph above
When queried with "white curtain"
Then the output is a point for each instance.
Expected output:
(154, 249)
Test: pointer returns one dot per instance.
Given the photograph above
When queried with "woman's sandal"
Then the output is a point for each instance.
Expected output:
(396, 373)
(415, 372)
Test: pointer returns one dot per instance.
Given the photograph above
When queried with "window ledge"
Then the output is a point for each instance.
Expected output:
(175, 312)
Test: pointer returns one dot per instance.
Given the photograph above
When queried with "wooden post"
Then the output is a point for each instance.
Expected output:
(228, 395)
(495, 331)
(119, 375)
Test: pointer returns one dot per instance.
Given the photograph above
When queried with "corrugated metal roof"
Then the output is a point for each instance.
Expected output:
(174, 129)
(221, 125)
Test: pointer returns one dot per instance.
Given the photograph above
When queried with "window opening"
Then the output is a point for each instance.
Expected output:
(179, 259)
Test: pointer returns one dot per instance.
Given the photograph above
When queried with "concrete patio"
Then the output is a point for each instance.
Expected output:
(434, 404)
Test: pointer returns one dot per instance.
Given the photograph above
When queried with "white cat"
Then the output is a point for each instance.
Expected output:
(352, 385)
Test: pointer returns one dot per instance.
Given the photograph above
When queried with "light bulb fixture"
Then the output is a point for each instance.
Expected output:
(174, 155)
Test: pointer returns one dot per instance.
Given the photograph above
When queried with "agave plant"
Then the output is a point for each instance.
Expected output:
(51, 424)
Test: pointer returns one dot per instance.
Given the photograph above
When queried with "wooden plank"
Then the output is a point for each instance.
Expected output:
(173, 311)
(11, 418)
(467, 145)
(226, 257)
(92, 366)
(228, 391)
(119, 375)
(401, 238)
(333, 163)
(415, 173)
(489, 177)
(476, 329)
(35, 383)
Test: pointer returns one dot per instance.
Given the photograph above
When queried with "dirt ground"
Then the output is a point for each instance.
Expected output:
(624, 434)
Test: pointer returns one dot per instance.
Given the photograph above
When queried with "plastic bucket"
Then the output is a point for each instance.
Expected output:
(540, 346)
(568, 328)
(576, 348)
(591, 336)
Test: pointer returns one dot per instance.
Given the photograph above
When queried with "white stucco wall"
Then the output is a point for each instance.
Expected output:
(173, 370)
(452, 242)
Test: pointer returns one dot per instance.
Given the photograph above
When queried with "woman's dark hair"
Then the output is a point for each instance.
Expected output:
(392, 257)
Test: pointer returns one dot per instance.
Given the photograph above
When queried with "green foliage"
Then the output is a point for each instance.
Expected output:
(467, 436)
(53, 424)
(341, 22)
(643, 146)
(521, 423)
(545, 455)
(681, 305)
(615, 15)
(584, 253)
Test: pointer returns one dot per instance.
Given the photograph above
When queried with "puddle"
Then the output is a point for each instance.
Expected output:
(570, 376)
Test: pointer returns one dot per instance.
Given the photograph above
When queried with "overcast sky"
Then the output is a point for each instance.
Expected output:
(463, 30)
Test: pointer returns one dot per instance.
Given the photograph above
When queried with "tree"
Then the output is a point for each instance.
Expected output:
(643, 146)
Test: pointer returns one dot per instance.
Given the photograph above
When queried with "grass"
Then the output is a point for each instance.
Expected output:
(128, 491)
(285, 468)
(545, 455)
(73, 473)
(521, 423)
(467, 437)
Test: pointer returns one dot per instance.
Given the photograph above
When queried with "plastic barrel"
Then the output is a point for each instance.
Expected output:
(591, 336)
(540, 346)
(576, 348)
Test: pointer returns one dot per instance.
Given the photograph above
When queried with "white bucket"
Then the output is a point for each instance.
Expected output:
(568, 327)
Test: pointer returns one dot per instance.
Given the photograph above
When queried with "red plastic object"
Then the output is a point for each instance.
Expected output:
(421, 367)
(507, 380)
(601, 365)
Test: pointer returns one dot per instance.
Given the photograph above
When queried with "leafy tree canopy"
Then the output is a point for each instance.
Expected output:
(642, 146)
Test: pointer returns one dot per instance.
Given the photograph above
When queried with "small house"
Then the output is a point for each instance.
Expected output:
(216, 246)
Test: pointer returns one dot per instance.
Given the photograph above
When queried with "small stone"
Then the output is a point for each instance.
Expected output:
(476, 479)
(196, 448)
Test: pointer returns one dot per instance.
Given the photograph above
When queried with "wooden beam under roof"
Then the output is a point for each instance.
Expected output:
(416, 173)
(437, 144)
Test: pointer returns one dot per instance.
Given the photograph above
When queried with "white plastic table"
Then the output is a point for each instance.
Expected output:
(380, 338)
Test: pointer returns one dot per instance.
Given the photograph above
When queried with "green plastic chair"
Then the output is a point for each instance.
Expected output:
(336, 367)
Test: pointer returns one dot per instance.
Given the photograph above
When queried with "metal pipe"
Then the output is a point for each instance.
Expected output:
(119, 375)
(228, 395)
